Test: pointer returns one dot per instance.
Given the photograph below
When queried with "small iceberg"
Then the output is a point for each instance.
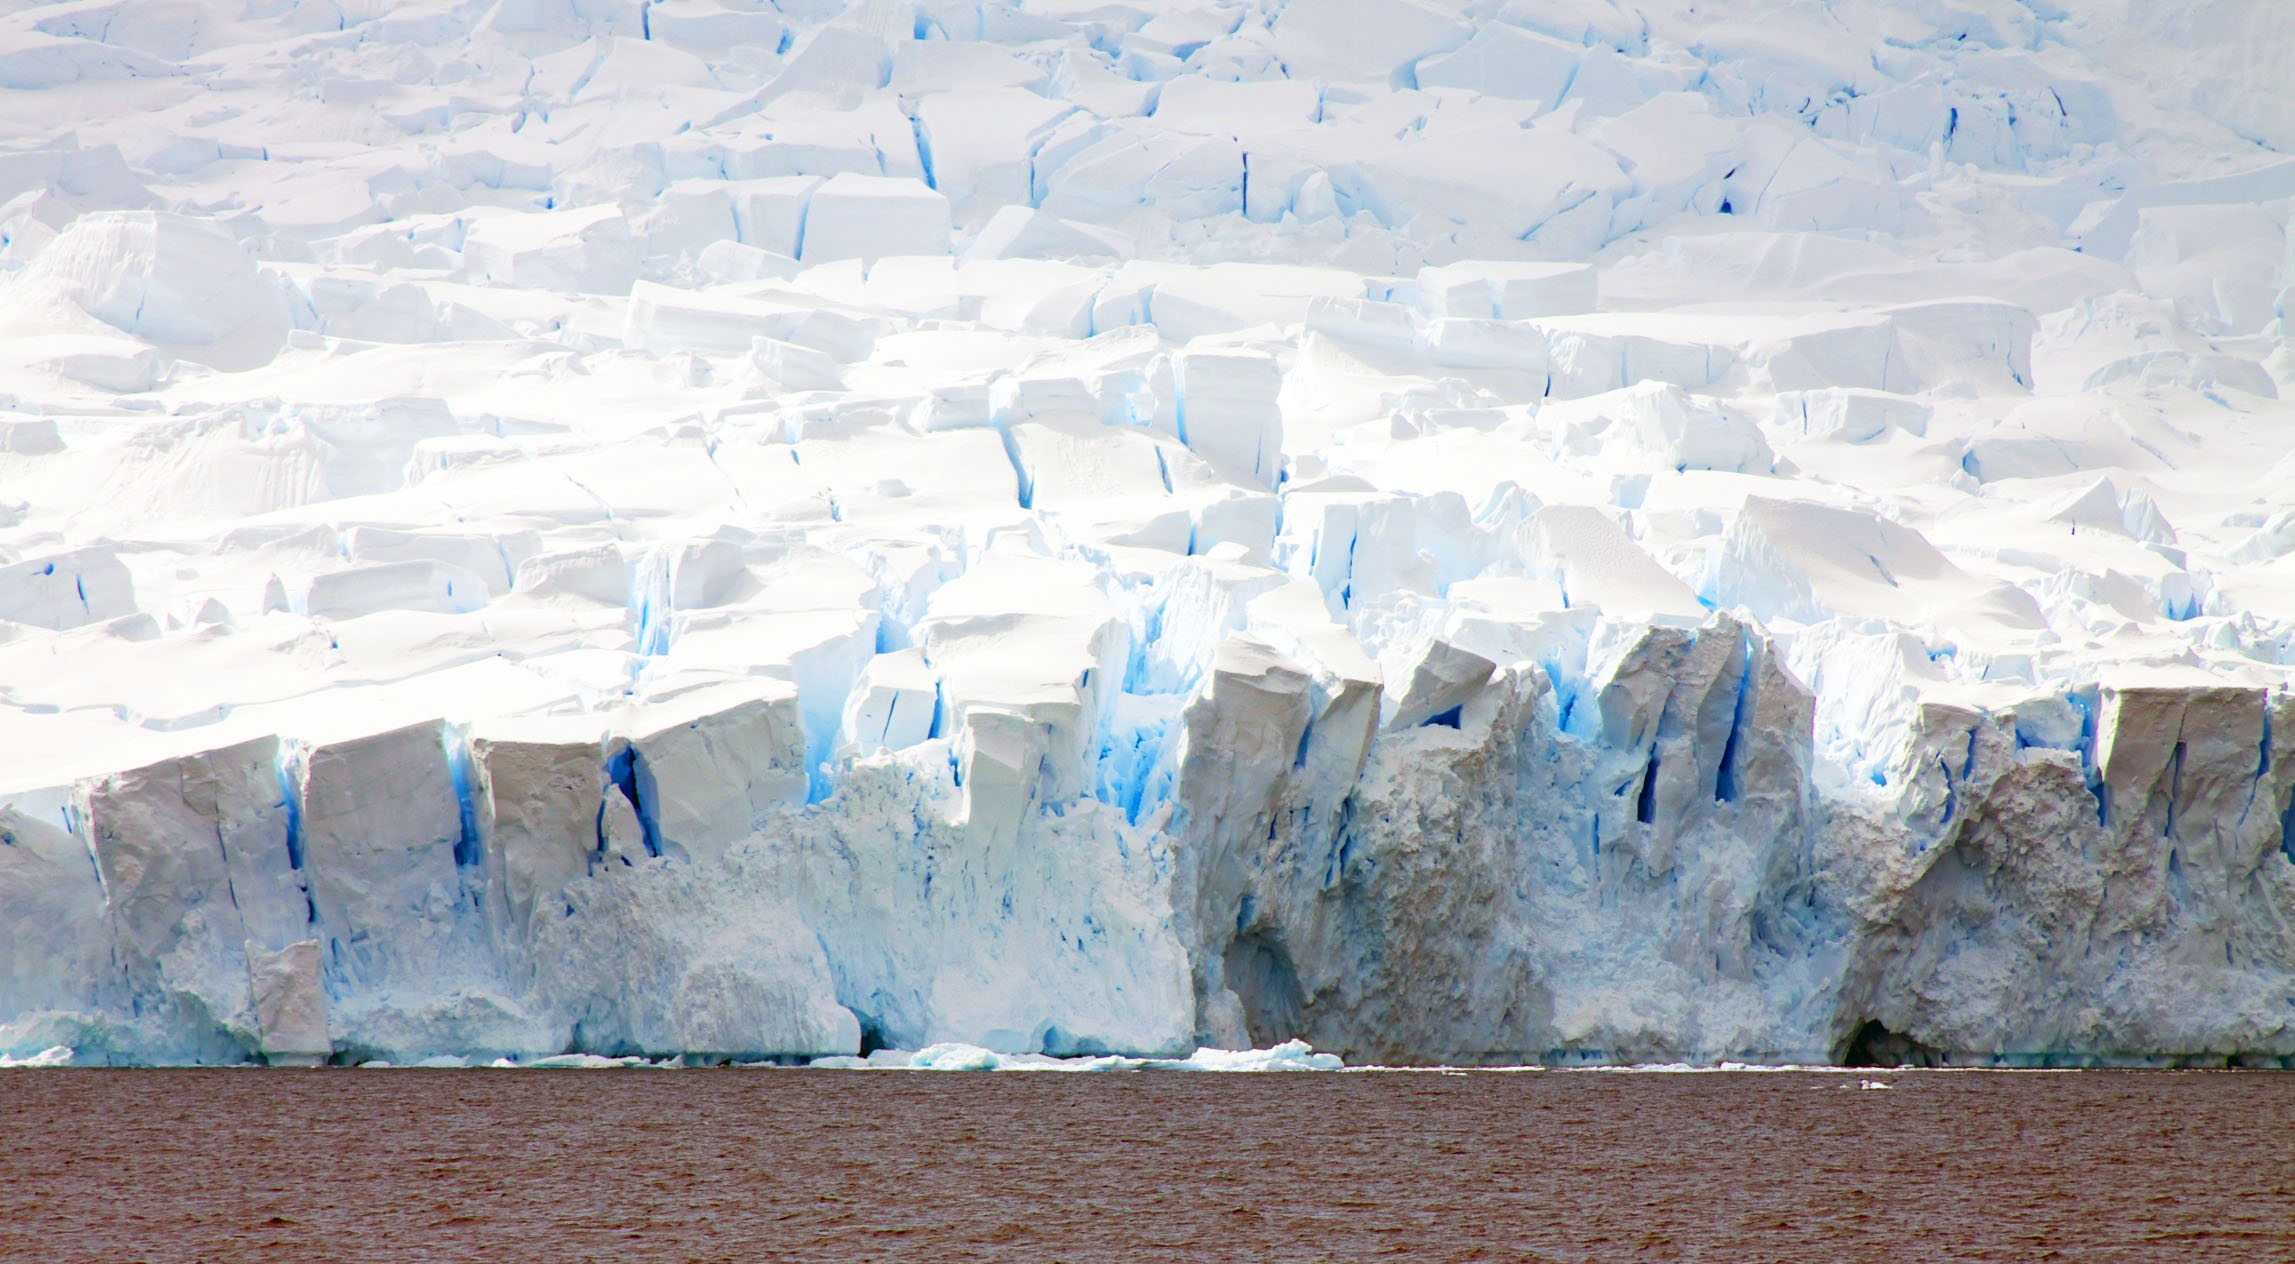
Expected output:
(583, 1062)
(1291, 1055)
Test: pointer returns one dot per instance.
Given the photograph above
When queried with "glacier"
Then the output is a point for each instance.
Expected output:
(1455, 532)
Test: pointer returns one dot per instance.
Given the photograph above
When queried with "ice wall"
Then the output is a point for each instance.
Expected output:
(1464, 532)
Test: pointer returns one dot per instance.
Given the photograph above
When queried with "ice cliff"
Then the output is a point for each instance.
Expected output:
(1484, 531)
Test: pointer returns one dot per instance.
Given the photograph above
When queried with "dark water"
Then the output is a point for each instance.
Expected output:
(825, 1165)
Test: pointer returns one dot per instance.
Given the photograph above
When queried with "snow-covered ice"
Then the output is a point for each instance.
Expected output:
(569, 531)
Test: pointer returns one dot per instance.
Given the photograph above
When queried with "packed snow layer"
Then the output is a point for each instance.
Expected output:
(1470, 533)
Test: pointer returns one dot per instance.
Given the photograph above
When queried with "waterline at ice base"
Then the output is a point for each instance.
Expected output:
(1491, 533)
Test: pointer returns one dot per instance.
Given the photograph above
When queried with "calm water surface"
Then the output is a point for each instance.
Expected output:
(826, 1165)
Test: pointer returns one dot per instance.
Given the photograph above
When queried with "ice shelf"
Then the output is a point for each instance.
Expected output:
(1454, 532)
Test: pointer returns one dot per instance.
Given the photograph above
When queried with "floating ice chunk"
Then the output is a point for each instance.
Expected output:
(953, 1056)
(582, 1062)
(869, 217)
(1291, 1055)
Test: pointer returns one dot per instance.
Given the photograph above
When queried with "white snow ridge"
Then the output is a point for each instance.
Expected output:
(1457, 531)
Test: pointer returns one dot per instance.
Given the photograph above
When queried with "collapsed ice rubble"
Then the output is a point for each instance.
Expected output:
(1457, 533)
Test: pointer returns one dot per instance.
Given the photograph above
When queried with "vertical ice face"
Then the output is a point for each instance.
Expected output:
(704, 781)
(539, 799)
(56, 961)
(290, 1004)
(1458, 531)
(2124, 893)
(380, 828)
(199, 875)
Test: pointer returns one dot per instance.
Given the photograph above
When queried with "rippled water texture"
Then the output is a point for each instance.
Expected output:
(819, 1165)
